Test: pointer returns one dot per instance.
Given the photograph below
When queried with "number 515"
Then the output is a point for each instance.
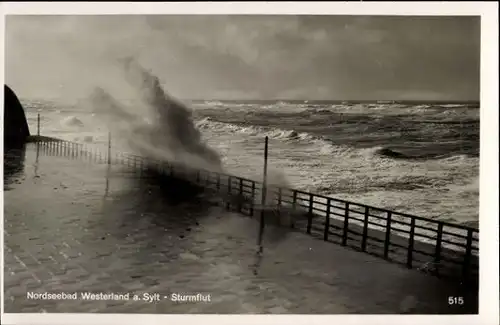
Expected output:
(455, 300)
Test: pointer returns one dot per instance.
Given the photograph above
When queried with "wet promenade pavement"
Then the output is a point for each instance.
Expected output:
(74, 226)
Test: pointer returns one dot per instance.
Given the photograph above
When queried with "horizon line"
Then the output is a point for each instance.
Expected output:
(380, 101)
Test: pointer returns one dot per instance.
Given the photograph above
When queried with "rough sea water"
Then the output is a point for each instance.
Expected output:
(417, 158)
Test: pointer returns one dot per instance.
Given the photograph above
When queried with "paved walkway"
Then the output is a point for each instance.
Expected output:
(72, 226)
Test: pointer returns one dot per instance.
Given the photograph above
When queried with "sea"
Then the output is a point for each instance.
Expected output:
(420, 158)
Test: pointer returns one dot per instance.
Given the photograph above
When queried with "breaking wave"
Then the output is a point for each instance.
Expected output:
(72, 121)
(323, 146)
(274, 133)
(157, 126)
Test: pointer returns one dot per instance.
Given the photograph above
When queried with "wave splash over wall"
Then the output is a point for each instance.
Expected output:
(153, 124)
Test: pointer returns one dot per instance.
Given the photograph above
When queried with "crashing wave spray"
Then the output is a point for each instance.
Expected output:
(165, 132)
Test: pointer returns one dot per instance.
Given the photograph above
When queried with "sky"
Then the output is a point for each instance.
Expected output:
(250, 57)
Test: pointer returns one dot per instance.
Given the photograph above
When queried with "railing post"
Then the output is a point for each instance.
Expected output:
(204, 177)
(279, 200)
(387, 235)
(240, 199)
(437, 254)
(294, 200)
(327, 219)
(310, 213)
(365, 229)
(467, 257)
(409, 257)
(218, 182)
(109, 148)
(229, 189)
(140, 167)
(253, 199)
(38, 124)
(346, 224)
(294, 207)
(201, 173)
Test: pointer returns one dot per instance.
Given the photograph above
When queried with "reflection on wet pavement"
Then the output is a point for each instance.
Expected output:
(73, 226)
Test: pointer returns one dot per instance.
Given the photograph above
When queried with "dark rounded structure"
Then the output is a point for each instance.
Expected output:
(16, 130)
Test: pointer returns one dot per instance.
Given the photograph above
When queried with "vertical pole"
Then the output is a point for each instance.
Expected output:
(467, 257)
(38, 124)
(310, 213)
(327, 219)
(240, 199)
(253, 199)
(346, 224)
(229, 192)
(409, 257)
(207, 179)
(263, 203)
(437, 254)
(387, 235)
(109, 148)
(279, 200)
(294, 207)
(365, 229)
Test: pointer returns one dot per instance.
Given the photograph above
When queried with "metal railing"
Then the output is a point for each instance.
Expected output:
(438, 247)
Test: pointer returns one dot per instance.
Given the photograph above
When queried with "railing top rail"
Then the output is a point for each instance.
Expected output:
(401, 214)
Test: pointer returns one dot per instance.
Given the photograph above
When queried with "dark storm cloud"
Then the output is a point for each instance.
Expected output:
(334, 57)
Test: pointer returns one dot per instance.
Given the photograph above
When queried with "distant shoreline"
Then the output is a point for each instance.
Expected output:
(309, 101)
